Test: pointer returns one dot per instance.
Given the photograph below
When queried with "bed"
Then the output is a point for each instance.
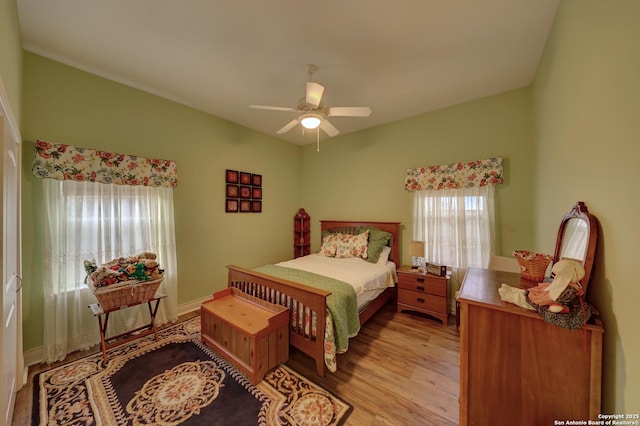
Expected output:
(308, 307)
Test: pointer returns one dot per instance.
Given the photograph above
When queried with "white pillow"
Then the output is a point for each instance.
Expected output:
(384, 255)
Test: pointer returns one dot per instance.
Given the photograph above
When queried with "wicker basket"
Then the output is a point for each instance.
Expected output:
(532, 265)
(126, 293)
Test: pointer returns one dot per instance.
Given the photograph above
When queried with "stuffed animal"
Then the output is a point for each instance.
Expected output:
(559, 302)
(566, 271)
(143, 267)
(147, 255)
(102, 277)
(90, 267)
(139, 272)
(152, 268)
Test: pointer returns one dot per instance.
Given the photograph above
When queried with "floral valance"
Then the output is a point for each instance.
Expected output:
(455, 175)
(65, 162)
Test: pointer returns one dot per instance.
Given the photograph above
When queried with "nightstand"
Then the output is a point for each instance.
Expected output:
(423, 292)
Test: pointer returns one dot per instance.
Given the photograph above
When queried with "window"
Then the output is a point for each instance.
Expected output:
(88, 220)
(104, 224)
(457, 226)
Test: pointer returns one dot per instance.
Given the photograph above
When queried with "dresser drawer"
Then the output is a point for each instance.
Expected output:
(422, 301)
(423, 284)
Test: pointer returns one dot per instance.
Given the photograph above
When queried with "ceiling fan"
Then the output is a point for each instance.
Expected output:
(313, 114)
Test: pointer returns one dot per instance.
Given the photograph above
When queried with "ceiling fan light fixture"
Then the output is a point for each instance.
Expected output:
(310, 121)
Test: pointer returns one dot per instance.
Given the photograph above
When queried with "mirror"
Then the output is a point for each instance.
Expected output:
(574, 239)
(577, 238)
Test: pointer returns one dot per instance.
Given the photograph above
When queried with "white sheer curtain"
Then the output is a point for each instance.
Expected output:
(457, 227)
(86, 220)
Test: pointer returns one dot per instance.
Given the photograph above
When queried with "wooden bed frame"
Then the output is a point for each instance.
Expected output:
(309, 300)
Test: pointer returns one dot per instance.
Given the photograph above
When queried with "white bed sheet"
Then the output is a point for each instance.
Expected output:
(368, 279)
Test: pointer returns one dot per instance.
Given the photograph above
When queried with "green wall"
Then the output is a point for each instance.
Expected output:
(587, 114)
(361, 176)
(358, 176)
(573, 136)
(11, 56)
(65, 105)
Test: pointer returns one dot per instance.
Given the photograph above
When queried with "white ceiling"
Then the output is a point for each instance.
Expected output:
(401, 58)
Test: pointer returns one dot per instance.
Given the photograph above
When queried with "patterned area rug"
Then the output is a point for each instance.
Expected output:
(177, 380)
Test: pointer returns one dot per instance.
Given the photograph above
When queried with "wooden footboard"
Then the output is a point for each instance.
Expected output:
(306, 305)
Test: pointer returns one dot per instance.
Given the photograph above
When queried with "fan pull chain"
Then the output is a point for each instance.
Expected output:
(318, 139)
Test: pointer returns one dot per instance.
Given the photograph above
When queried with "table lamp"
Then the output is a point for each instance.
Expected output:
(416, 250)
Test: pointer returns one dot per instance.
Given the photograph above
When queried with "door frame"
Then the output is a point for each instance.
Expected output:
(9, 129)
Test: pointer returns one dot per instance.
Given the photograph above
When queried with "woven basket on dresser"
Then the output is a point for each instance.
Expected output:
(532, 265)
(126, 293)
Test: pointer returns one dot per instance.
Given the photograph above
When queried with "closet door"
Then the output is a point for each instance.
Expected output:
(11, 360)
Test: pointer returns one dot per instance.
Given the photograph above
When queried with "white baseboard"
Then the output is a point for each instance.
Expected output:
(36, 355)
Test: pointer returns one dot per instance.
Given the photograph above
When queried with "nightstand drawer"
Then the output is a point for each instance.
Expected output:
(422, 301)
(423, 284)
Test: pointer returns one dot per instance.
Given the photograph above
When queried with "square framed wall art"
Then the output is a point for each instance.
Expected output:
(231, 206)
(232, 176)
(245, 206)
(233, 191)
(243, 192)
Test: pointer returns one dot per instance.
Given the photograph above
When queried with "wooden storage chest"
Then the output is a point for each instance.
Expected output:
(250, 333)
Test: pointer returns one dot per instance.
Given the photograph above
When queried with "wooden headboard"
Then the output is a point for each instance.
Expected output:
(348, 227)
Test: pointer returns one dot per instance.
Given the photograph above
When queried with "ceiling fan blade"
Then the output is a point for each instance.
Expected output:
(314, 93)
(349, 111)
(273, 108)
(328, 128)
(290, 125)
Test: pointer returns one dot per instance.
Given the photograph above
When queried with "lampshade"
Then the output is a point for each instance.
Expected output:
(416, 248)
(310, 121)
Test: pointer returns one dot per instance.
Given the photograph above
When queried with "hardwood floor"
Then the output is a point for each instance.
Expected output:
(401, 369)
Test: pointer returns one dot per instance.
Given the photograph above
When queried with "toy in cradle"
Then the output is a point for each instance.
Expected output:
(153, 268)
(139, 272)
(90, 267)
(143, 267)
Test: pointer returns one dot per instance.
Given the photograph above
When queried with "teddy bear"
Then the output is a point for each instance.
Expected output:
(147, 255)
(152, 268)
(90, 267)
(102, 277)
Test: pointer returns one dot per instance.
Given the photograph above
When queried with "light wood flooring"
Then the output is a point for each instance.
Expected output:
(401, 369)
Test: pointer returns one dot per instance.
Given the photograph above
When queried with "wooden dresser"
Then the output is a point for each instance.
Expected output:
(422, 292)
(517, 369)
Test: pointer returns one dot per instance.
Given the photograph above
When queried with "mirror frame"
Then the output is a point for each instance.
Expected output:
(580, 211)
